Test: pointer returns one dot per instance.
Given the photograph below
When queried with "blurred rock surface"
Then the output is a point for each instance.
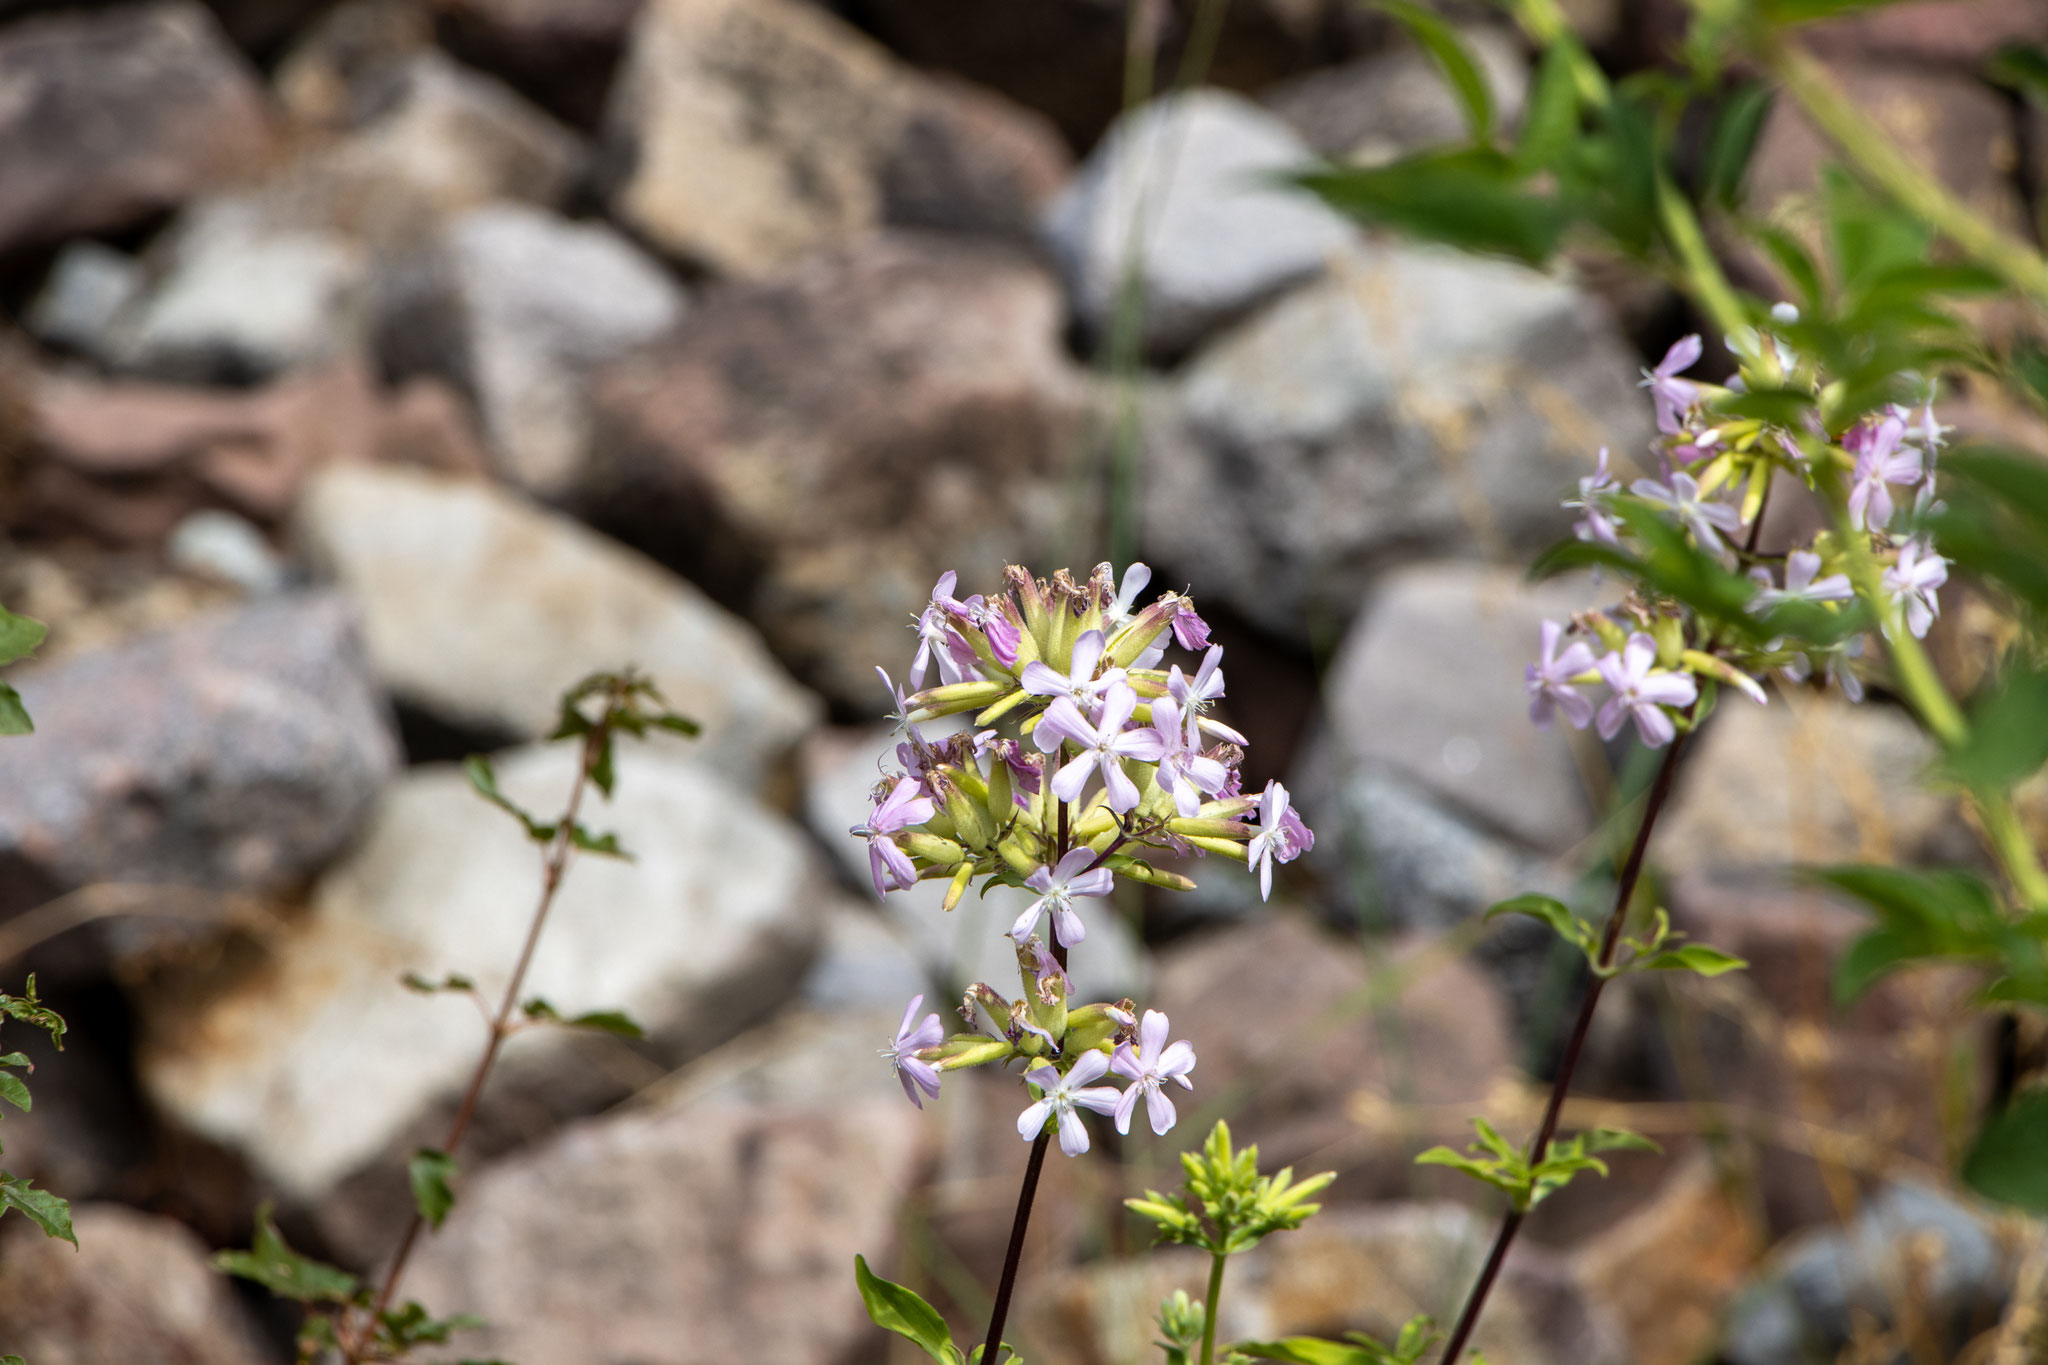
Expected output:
(1394, 103)
(816, 449)
(114, 115)
(483, 609)
(313, 1060)
(137, 1288)
(1177, 191)
(1412, 401)
(238, 751)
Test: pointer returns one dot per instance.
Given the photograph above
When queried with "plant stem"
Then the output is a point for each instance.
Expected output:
(1710, 285)
(1872, 149)
(992, 1343)
(554, 865)
(1216, 1262)
(1625, 890)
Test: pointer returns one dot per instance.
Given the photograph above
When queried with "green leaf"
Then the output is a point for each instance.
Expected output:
(454, 981)
(1619, 1140)
(1475, 199)
(284, 1272)
(2008, 735)
(28, 1009)
(401, 1329)
(1922, 914)
(608, 1021)
(605, 845)
(901, 1311)
(1692, 957)
(1790, 12)
(1555, 913)
(14, 1090)
(1551, 124)
(13, 715)
(19, 636)
(485, 779)
(682, 725)
(40, 1207)
(430, 1171)
(2021, 67)
(1314, 1351)
(2009, 1162)
(1447, 49)
(1732, 141)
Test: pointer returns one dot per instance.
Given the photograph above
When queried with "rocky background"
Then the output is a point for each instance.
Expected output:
(371, 371)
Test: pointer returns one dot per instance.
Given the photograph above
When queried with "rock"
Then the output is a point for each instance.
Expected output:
(560, 55)
(1441, 648)
(115, 115)
(278, 274)
(968, 943)
(1216, 238)
(316, 1062)
(1962, 34)
(816, 449)
(226, 547)
(863, 965)
(1951, 125)
(745, 134)
(517, 306)
(126, 462)
(88, 287)
(1413, 401)
(699, 1229)
(137, 1288)
(1285, 1011)
(1822, 1286)
(1066, 58)
(1666, 1273)
(1808, 780)
(329, 80)
(483, 610)
(1393, 103)
(237, 752)
(1344, 1270)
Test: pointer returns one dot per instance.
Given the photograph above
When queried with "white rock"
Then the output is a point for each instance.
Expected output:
(88, 287)
(483, 609)
(315, 1066)
(1187, 174)
(226, 547)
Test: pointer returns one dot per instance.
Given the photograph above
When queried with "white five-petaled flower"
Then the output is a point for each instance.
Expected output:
(1079, 685)
(1197, 694)
(1155, 1062)
(1185, 774)
(1915, 581)
(1641, 692)
(1104, 746)
(1076, 875)
(1124, 606)
(936, 635)
(1881, 461)
(1061, 1095)
(1800, 583)
(1700, 515)
(915, 1073)
(1549, 680)
(1275, 841)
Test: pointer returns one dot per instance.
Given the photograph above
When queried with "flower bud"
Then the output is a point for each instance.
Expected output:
(1094, 1026)
(1669, 633)
(933, 849)
(958, 886)
(964, 1050)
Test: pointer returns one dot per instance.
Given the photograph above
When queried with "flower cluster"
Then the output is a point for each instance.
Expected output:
(1718, 459)
(1089, 757)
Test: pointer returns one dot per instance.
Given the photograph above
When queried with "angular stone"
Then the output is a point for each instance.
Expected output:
(114, 115)
(745, 134)
(236, 752)
(1283, 1007)
(818, 448)
(1429, 682)
(698, 1229)
(138, 1287)
(1414, 400)
(563, 55)
(1393, 103)
(316, 1061)
(517, 306)
(1216, 238)
(483, 610)
(1808, 780)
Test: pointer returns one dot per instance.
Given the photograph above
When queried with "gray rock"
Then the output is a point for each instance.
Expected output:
(1412, 401)
(1393, 103)
(88, 287)
(1185, 176)
(114, 115)
(138, 1287)
(1429, 683)
(483, 610)
(864, 964)
(969, 942)
(819, 448)
(226, 548)
(1821, 1284)
(692, 1230)
(517, 306)
(321, 1063)
(237, 751)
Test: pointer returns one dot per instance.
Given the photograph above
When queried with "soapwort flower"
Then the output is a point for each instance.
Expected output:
(1913, 582)
(1058, 887)
(901, 808)
(1150, 1066)
(1103, 746)
(1060, 1096)
(915, 1073)
(1549, 681)
(1674, 397)
(1641, 692)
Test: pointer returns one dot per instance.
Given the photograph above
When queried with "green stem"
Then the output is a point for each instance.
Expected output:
(1216, 1260)
(1709, 285)
(1873, 152)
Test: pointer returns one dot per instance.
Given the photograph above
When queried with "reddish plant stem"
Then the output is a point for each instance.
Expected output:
(554, 865)
(1511, 1222)
(993, 1342)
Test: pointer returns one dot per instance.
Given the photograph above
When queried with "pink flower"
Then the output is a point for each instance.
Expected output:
(1549, 680)
(914, 1073)
(1061, 1095)
(1104, 746)
(1914, 582)
(1880, 462)
(1274, 842)
(1155, 1062)
(1674, 396)
(1641, 692)
(1076, 875)
(899, 810)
